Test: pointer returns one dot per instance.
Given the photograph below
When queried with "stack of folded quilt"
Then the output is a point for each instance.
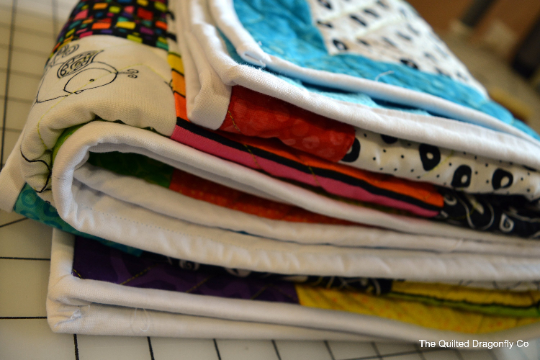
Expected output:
(287, 169)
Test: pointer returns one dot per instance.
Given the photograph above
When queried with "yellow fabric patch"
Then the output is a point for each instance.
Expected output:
(175, 61)
(160, 6)
(114, 9)
(412, 312)
(134, 38)
(142, 2)
(126, 25)
(470, 295)
(68, 40)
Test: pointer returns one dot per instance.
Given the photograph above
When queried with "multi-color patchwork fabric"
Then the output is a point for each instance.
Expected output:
(298, 154)
(254, 114)
(201, 189)
(486, 213)
(434, 306)
(479, 212)
(385, 41)
(93, 260)
(141, 21)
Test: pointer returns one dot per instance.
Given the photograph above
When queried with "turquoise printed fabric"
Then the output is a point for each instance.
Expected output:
(352, 97)
(284, 28)
(29, 204)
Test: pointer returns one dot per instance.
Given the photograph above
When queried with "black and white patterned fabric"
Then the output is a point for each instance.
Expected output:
(503, 214)
(448, 168)
(386, 30)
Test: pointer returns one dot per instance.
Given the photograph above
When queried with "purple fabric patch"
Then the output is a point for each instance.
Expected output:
(93, 260)
(145, 30)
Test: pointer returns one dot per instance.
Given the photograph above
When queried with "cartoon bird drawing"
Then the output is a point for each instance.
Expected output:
(79, 73)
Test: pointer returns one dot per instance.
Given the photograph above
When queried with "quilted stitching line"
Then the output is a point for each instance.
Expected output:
(199, 284)
(77, 273)
(139, 274)
(234, 123)
(261, 291)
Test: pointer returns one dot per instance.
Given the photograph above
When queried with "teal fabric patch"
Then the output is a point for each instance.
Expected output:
(284, 28)
(29, 204)
(352, 97)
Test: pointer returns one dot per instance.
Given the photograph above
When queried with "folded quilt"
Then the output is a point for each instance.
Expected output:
(149, 294)
(337, 143)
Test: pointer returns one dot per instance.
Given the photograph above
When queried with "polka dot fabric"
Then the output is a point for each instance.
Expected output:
(142, 21)
(449, 168)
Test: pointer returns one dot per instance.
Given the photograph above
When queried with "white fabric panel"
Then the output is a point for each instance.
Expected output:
(11, 179)
(93, 78)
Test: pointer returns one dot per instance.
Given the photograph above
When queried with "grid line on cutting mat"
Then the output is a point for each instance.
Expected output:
(8, 75)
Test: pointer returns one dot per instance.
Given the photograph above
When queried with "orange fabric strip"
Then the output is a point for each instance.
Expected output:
(201, 189)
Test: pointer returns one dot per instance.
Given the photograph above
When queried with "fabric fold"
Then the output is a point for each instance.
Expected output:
(212, 172)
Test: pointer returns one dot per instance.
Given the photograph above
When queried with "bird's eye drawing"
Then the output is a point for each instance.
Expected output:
(90, 79)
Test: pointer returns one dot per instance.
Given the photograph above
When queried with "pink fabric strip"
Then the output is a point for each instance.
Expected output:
(279, 170)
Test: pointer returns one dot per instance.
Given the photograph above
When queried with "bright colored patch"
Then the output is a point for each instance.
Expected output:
(120, 15)
(100, 26)
(126, 25)
(134, 38)
(254, 114)
(160, 6)
(425, 192)
(201, 189)
(179, 83)
(175, 61)
(180, 104)
(144, 14)
(412, 312)
(81, 15)
(161, 24)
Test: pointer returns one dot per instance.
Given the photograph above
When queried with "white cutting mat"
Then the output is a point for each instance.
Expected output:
(27, 34)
